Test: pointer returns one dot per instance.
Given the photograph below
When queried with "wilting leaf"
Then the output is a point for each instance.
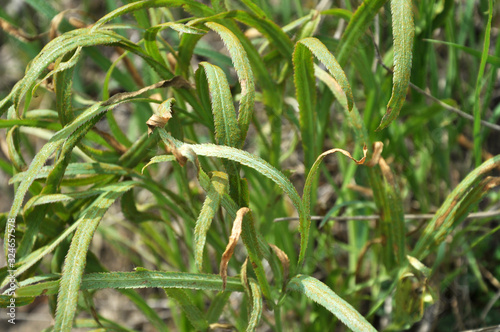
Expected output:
(233, 239)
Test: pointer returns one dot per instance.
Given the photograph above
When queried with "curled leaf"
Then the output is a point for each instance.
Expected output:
(377, 152)
(305, 218)
(233, 239)
(164, 113)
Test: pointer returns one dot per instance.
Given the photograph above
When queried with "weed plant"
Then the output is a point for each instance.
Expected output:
(195, 125)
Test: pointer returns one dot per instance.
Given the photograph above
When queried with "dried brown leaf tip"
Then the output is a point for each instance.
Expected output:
(233, 239)
(377, 152)
(285, 262)
(347, 154)
(16, 32)
(163, 114)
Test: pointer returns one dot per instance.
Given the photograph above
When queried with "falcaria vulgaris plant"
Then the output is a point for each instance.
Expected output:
(208, 163)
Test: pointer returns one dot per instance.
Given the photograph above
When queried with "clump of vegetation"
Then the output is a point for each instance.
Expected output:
(171, 129)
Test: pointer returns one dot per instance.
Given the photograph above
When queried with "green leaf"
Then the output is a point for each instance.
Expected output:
(74, 169)
(305, 86)
(226, 129)
(390, 205)
(150, 37)
(74, 263)
(491, 59)
(63, 83)
(356, 28)
(240, 156)
(53, 182)
(305, 215)
(323, 295)
(305, 89)
(50, 53)
(218, 186)
(140, 279)
(245, 77)
(456, 206)
(403, 31)
(256, 312)
(195, 316)
(189, 5)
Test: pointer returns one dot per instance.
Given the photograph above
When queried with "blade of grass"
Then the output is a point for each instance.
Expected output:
(324, 296)
(403, 31)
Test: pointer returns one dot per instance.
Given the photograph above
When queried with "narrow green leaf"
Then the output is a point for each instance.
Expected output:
(355, 120)
(268, 28)
(76, 258)
(254, 8)
(305, 86)
(190, 5)
(194, 314)
(74, 169)
(53, 182)
(63, 83)
(340, 12)
(158, 159)
(466, 194)
(305, 215)
(245, 76)
(390, 205)
(256, 312)
(151, 33)
(323, 295)
(403, 31)
(218, 186)
(240, 156)
(140, 279)
(357, 26)
(491, 59)
(226, 129)
(478, 148)
(305, 90)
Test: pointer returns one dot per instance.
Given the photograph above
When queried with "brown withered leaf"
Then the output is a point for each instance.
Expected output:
(221, 326)
(16, 32)
(156, 121)
(285, 262)
(233, 239)
(161, 116)
(347, 154)
(181, 159)
(56, 21)
(386, 171)
(176, 82)
(377, 152)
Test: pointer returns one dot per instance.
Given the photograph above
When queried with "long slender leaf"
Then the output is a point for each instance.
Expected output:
(76, 258)
(321, 294)
(218, 186)
(403, 31)
(245, 76)
(139, 279)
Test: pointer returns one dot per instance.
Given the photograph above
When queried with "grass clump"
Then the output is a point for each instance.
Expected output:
(169, 130)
